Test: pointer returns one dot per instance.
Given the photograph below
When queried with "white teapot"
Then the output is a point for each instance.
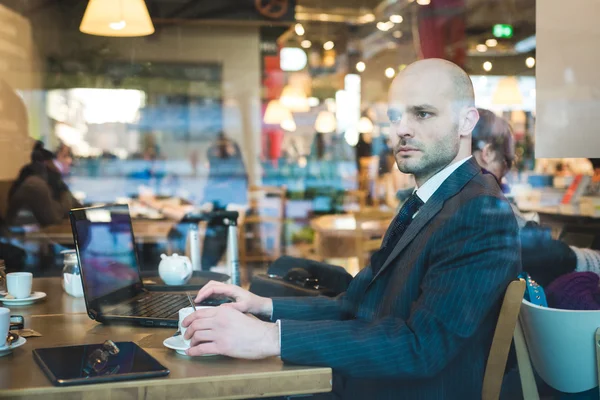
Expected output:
(175, 269)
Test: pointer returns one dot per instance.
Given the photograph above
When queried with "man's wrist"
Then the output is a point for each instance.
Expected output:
(273, 339)
(266, 307)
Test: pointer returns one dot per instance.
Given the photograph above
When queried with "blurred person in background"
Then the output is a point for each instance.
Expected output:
(63, 159)
(543, 257)
(39, 195)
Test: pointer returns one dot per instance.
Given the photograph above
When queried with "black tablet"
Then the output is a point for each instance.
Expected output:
(97, 363)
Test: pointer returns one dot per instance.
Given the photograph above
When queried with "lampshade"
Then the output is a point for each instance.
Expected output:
(116, 18)
(507, 92)
(294, 99)
(326, 122)
(365, 125)
(288, 124)
(276, 113)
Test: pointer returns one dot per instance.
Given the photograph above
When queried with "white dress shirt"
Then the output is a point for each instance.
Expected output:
(428, 189)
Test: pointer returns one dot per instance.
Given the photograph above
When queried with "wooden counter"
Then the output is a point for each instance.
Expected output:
(61, 322)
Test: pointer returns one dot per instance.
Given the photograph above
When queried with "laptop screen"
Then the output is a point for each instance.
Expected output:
(106, 250)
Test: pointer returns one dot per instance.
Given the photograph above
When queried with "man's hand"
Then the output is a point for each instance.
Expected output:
(245, 301)
(227, 331)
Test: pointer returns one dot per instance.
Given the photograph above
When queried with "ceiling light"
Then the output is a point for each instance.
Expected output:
(530, 62)
(117, 26)
(365, 19)
(487, 66)
(305, 44)
(423, 2)
(328, 45)
(507, 92)
(389, 72)
(326, 122)
(276, 113)
(292, 59)
(351, 136)
(294, 99)
(124, 18)
(482, 48)
(397, 34)
(299, 29)
(365, 125)
(360, 66)
(396, 19)
(491, 43)
(385, 26)
(288, 125)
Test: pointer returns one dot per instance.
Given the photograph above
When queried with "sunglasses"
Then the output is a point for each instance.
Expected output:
(98, 359)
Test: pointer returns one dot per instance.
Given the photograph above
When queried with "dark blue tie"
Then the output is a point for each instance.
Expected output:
(396, 230)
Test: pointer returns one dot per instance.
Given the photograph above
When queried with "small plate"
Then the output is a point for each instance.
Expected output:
(8, 300)
(4, 350)
(176, 343)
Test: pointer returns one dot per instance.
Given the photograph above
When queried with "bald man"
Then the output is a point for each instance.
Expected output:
(417, 323)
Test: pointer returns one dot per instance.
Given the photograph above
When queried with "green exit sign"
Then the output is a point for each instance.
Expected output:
(503, 31)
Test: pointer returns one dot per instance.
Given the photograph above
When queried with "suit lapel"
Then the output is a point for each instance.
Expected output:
(451, 186)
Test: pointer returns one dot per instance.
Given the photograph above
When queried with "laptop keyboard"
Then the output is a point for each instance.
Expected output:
(155, 305)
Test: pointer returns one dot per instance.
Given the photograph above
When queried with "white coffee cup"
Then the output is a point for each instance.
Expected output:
(4, 325)
(19, 284)
(184, 312)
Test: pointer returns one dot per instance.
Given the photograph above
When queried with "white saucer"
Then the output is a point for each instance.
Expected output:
(8, 300)
(4, 350)
(176, 343)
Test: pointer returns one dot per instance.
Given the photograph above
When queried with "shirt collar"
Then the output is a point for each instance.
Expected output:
(429, 188)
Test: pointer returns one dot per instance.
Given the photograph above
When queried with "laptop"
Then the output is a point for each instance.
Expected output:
(112, 283)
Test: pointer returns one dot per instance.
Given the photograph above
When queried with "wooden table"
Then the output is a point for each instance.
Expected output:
(199, 378)
(335, 234)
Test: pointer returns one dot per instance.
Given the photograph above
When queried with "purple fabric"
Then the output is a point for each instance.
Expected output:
(574, 291)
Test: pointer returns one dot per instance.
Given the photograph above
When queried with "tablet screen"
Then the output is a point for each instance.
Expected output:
(76, 365)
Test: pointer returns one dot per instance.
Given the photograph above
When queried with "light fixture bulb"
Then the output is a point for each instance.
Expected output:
(328, 45)
(389, 72)
(299, 29)
(396, 19)
(360, 66)
(487, 66)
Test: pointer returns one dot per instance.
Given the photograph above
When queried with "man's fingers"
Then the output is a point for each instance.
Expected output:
(198, 315)
(202, 349)
(202, 336)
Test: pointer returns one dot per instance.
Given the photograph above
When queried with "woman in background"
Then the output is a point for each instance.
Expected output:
(39, 195)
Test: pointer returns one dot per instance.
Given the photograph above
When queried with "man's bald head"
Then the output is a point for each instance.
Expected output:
(445, 73)
(432, 114)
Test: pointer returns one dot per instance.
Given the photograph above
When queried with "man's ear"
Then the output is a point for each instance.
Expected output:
(469, 118)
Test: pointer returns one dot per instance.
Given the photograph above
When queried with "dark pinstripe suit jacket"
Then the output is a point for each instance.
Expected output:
(421, 327)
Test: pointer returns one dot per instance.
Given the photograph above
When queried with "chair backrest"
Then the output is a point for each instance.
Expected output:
(365, 242)
(265, 221)
(505, 327)
(561, 346)
(354, 200)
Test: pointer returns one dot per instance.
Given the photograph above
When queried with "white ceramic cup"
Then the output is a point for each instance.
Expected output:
(18, 284)
(4, 325)
(184, 312)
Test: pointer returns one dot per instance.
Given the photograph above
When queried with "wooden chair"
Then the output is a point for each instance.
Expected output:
(505, 328)
(264, 223)
(354, 200)
(367, 175)
(365, 242)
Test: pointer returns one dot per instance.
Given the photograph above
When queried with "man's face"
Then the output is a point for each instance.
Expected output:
(424, 125)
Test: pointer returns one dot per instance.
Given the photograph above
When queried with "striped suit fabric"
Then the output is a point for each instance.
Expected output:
(421, 326)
